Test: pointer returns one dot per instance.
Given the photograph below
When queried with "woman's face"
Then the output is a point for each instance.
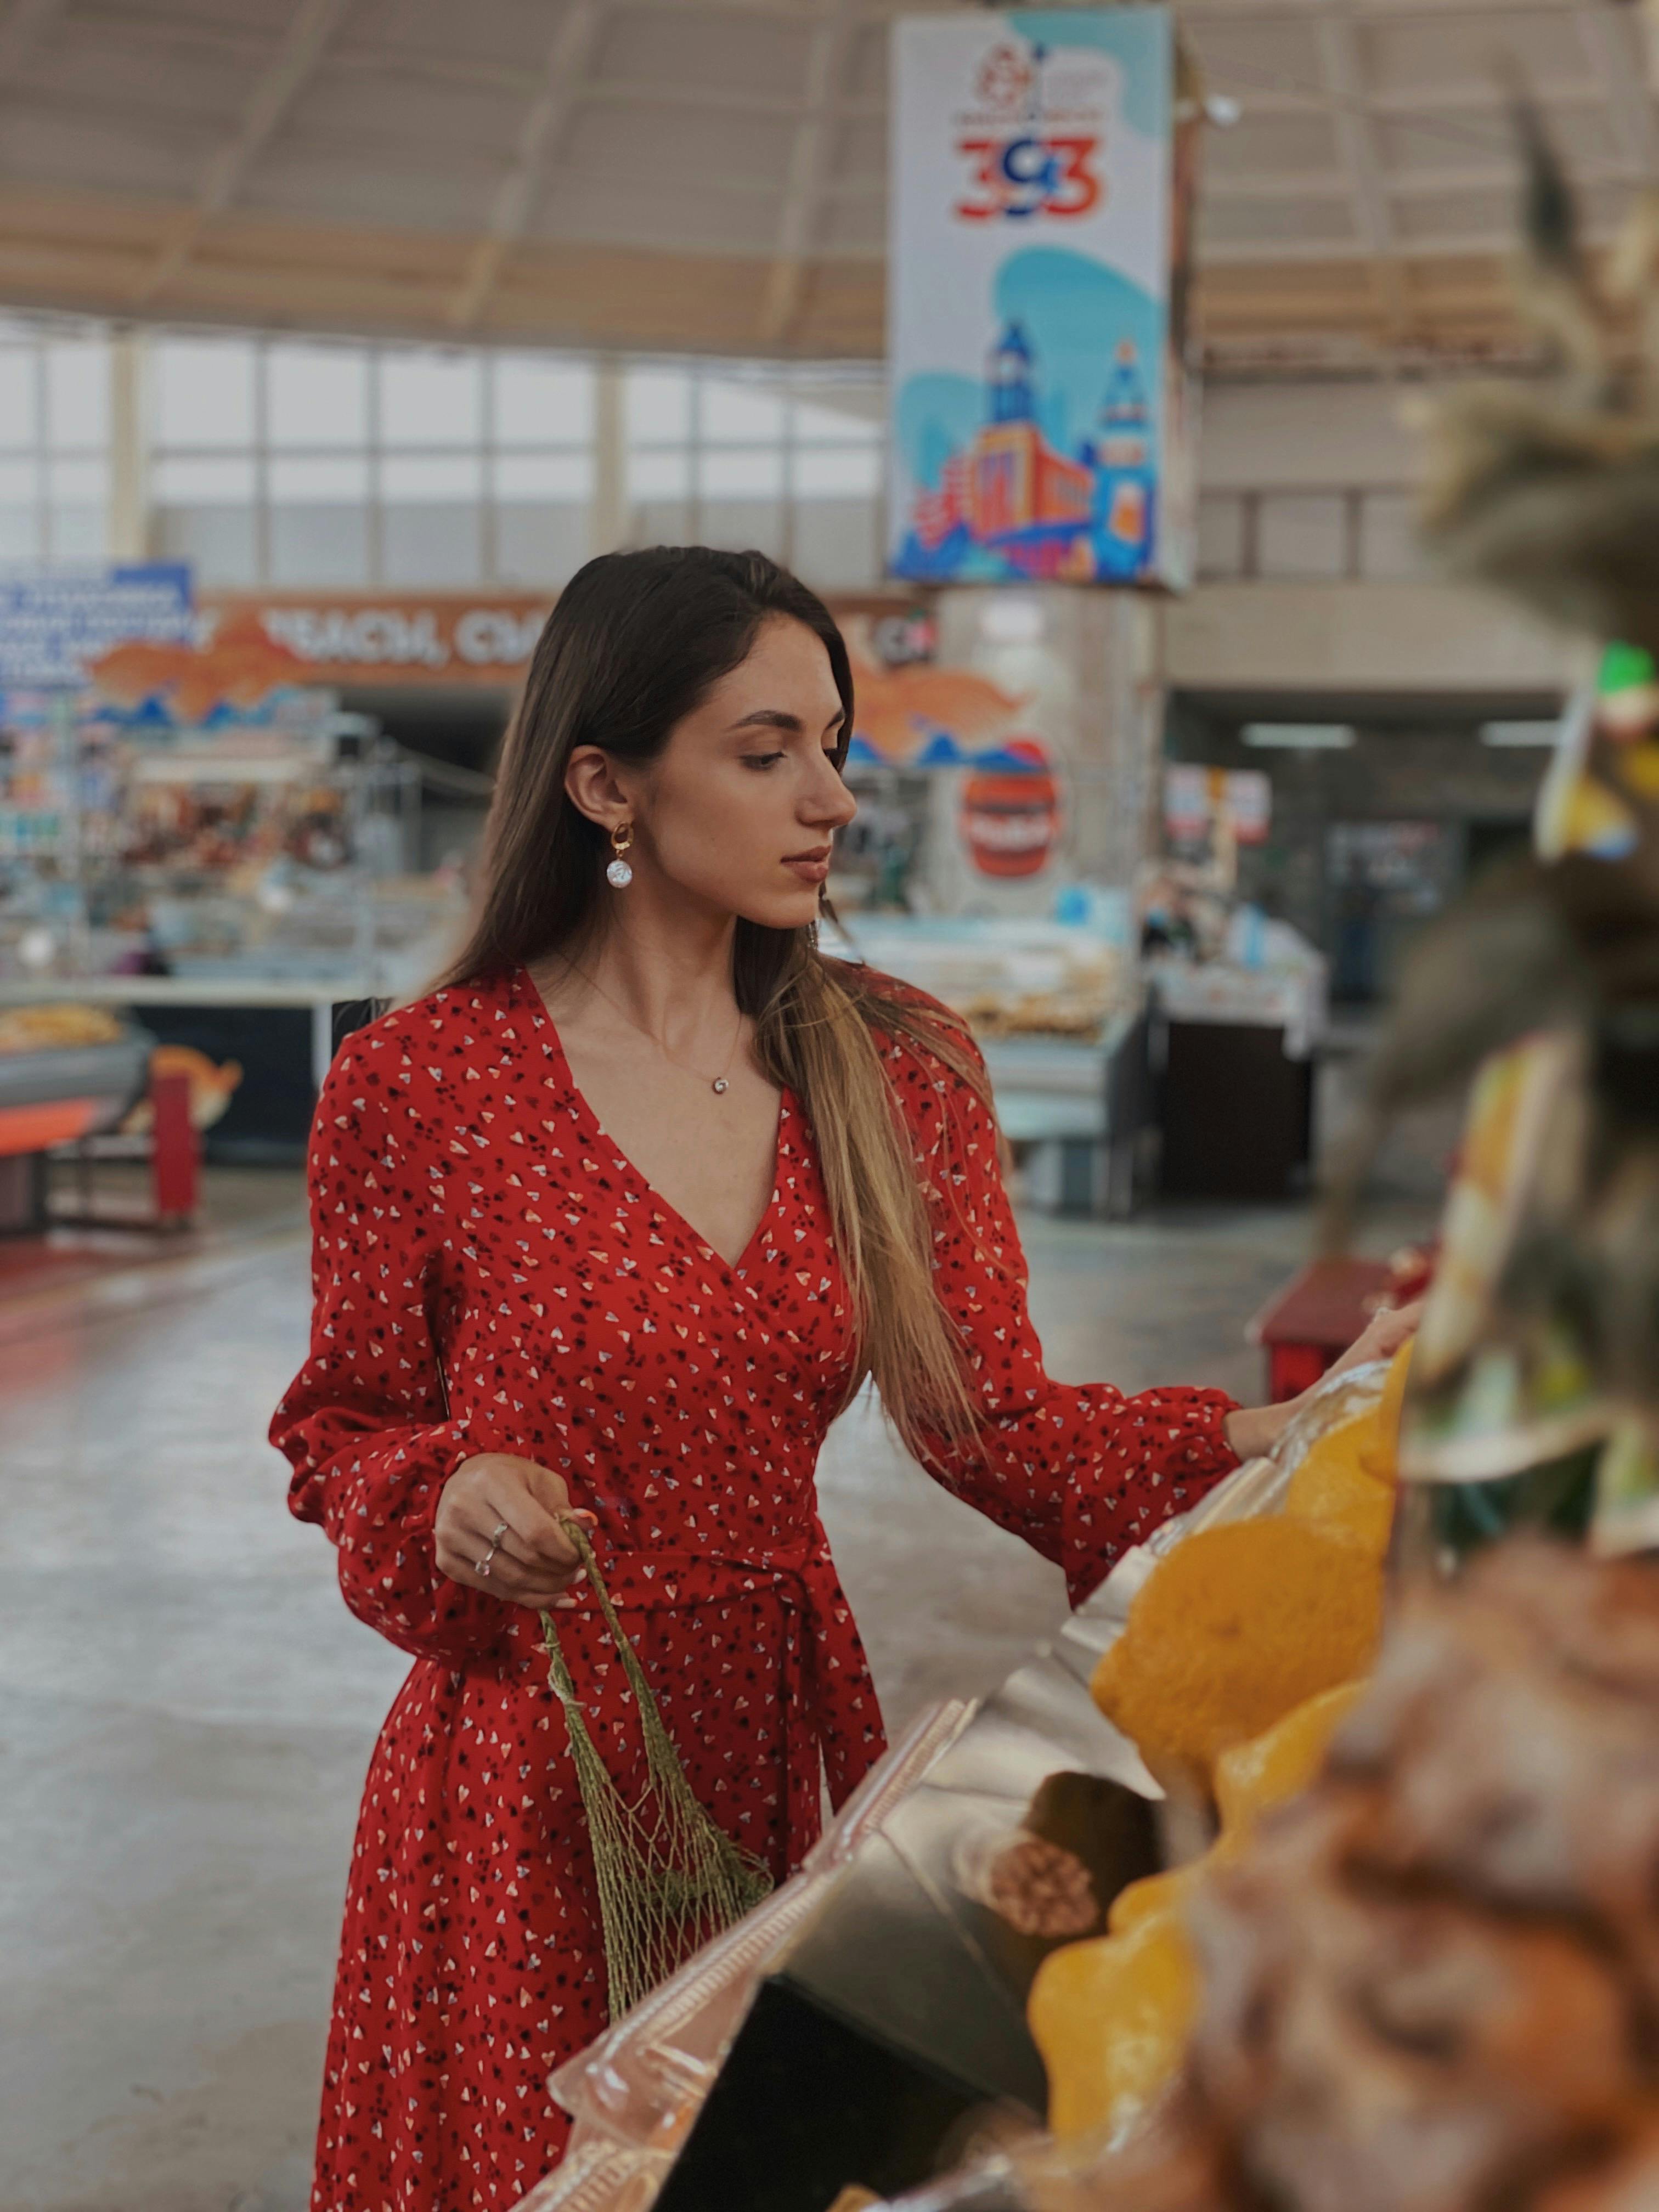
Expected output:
(738, 810)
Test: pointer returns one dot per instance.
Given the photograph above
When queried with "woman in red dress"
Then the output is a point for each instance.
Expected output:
(617, 1220)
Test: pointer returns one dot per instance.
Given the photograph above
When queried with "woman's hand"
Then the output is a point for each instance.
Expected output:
(1382, 1337)
(532, 1562)
(1254, 1430)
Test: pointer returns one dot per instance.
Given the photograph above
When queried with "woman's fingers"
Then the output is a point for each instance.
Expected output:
(510, 1561)
(498, 1530)
(542, 1503)
(466, 1558)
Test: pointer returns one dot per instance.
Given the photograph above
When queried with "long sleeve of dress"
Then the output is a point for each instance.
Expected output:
(1081, 1472)
(365, 1423)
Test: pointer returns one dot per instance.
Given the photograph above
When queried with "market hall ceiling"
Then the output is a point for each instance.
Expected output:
(670, 174)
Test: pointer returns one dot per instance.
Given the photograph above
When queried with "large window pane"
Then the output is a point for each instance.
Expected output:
(430, 476)
(433, 543)
(325, 541)
(744, 526)
(520, 477)
(338, 480)
(659, 476)
(844, 472)
(77, 392)
(831, 426)
(657, 406)
(429, 400)
(541, 403)
(20, 533)
(836, 543)
(740, 414)
(184, 480)
(19, 419)
(220, 541)
(204, 393)
(316, 395)
(755, 474)
(660, 522)
(540, 546)
(78, 484)
(77, 527)
(20, 511)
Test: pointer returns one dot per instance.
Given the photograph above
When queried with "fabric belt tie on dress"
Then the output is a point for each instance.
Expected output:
(828, 1691)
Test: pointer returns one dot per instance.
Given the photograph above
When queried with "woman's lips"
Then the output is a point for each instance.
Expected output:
(809, 869)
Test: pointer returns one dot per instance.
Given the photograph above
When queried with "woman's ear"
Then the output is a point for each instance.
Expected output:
(591, 785)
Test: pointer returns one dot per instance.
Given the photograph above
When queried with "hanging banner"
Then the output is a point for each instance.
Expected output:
(1040, 411)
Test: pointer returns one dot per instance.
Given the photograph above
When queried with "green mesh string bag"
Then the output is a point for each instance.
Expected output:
(670, 1878)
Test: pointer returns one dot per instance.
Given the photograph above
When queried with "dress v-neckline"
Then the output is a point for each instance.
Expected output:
(738, 1267)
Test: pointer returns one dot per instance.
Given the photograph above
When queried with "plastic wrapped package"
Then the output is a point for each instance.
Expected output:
(634, 2093)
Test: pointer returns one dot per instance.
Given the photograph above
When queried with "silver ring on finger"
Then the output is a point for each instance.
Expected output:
(483, 1565)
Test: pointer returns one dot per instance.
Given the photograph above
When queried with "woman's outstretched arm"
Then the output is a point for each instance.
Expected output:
(1080, 1471)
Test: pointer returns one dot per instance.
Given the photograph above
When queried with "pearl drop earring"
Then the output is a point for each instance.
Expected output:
(619, 875)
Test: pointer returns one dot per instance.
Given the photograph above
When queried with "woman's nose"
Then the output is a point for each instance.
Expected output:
(829, 801)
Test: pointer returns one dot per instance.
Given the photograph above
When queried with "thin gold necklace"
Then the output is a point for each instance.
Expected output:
(719, 1085)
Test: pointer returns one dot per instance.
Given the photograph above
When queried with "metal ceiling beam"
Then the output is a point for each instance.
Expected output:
(569, 62)
(809, 175)
(309, 30)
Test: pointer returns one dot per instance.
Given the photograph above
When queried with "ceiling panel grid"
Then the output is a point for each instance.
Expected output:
(710, 174)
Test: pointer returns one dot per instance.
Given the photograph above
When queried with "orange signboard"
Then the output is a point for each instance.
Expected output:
(385, 638)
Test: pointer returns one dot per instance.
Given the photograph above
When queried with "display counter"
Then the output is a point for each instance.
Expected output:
(1076, 1109)
(321, 1002)
(1056, 1009)
(55, 1095)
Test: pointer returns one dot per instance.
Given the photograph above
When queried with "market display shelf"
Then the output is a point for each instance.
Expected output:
(65, 1091)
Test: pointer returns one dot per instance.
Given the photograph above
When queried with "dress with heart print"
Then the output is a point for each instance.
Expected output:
(491, 1275)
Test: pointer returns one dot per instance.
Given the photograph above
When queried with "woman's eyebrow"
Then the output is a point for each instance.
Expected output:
(769, 718)
(778, 718)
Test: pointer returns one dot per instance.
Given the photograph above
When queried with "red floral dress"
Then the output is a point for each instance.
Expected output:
(490, 1274)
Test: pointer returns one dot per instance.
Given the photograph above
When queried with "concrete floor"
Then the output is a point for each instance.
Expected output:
(188, 1708)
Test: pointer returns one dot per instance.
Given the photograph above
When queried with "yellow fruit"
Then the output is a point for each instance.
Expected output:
(1336, 1490)
(1153, 1893)
(1251, 1777)
(1111, 2017)
(1237, 1627)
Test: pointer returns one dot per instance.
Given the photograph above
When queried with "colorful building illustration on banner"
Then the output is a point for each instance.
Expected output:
(1040, 409)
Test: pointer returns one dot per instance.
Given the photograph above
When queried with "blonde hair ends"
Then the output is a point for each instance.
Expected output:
(818, 1034)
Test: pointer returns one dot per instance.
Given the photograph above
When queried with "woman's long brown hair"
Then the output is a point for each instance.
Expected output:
(634, 646)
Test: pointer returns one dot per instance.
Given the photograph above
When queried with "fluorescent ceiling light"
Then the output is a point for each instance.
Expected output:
(1301, 737)
(1520, 733)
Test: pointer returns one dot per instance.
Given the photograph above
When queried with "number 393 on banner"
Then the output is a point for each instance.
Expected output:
(1023, 175)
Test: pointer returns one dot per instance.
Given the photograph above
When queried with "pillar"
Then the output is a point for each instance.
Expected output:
(1088, 665)
(611, 519)
(129, 488)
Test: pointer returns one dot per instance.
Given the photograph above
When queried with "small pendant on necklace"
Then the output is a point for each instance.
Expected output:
(720, 1085)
